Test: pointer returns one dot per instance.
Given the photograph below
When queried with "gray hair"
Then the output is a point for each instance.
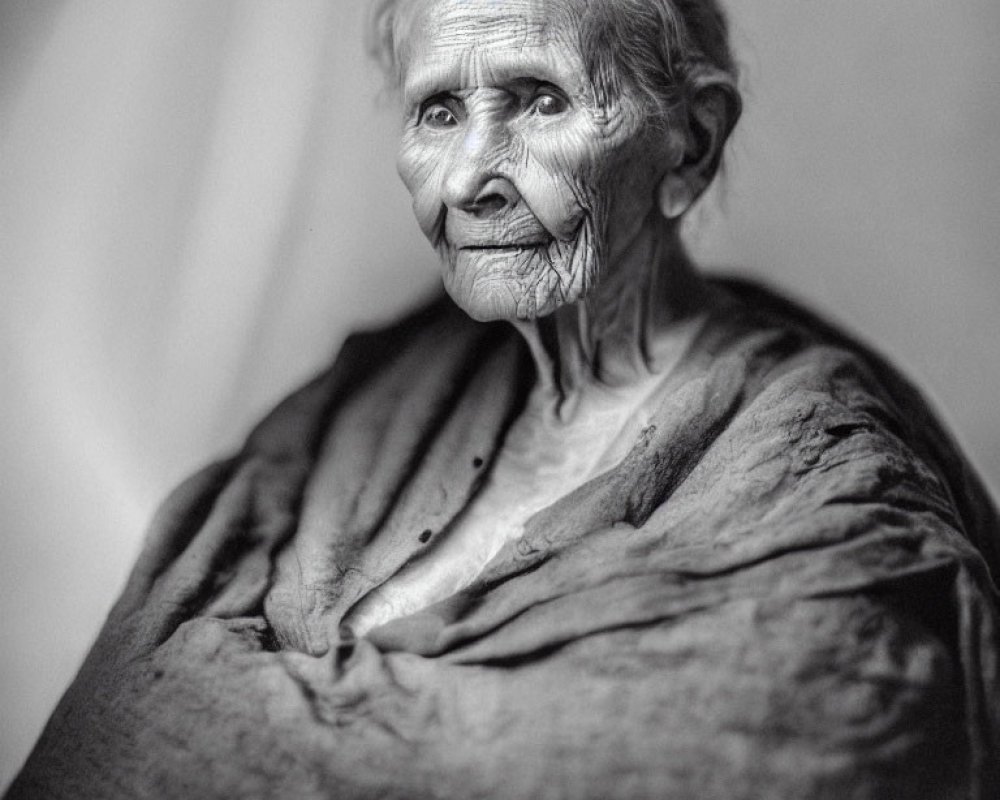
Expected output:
(664, 49)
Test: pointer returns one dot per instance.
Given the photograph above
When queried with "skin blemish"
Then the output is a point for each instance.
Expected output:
(477, 462)
(425, 536)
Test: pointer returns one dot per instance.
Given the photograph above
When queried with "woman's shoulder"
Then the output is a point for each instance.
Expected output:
(809, 388)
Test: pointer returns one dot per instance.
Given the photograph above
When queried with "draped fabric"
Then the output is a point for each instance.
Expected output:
(786, 589)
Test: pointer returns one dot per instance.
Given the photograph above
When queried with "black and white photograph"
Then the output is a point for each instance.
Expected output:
(452, 399)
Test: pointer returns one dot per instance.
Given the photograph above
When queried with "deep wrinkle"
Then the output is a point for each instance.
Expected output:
(580, 177)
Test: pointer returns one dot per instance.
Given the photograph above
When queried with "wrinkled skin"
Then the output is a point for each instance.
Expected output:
(528, 189)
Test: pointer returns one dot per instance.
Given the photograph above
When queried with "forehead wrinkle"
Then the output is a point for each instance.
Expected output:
(454, 23)
(467, 43)
(491, 30)
(478, 68)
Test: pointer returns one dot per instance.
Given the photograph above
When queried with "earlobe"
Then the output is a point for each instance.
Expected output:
(675, 195)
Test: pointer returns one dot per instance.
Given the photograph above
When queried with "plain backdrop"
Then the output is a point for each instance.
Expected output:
(198, 199)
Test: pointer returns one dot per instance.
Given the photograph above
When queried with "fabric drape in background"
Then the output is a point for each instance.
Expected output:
(198, 199)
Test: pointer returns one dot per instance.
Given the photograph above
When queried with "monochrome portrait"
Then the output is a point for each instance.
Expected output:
(500, 399)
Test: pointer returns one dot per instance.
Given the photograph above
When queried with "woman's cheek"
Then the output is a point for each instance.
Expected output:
(550, 183)
(581, 155)
(420, 167)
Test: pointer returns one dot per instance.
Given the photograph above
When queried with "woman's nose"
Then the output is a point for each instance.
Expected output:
(474, 183)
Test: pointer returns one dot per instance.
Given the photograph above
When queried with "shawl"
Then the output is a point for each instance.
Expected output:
(786, 589)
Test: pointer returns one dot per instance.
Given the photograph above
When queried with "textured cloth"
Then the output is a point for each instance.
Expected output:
(784, 590)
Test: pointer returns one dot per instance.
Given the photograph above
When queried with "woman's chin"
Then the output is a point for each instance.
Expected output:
(501, 300)
(485, 306)
(490, 295)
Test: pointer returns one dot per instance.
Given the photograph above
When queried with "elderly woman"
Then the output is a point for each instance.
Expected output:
(623, 533)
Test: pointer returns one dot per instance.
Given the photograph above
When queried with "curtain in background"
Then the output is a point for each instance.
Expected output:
(198, 199)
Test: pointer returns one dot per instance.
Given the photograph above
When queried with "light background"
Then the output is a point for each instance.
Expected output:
(197, 200)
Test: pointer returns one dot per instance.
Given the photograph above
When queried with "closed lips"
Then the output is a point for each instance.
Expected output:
(522, 229)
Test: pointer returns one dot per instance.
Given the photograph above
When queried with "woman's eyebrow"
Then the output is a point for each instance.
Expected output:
(524, 84)
(518, 81)
(423, 85)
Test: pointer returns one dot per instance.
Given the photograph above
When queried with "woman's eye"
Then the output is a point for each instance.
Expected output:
(548, 104)
(438, 115)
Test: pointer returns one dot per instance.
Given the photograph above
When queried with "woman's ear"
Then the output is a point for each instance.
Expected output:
(713, 108)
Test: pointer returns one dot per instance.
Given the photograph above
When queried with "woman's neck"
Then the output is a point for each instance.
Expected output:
(621, 333)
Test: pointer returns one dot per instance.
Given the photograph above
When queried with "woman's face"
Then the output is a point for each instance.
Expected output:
(528, 188)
